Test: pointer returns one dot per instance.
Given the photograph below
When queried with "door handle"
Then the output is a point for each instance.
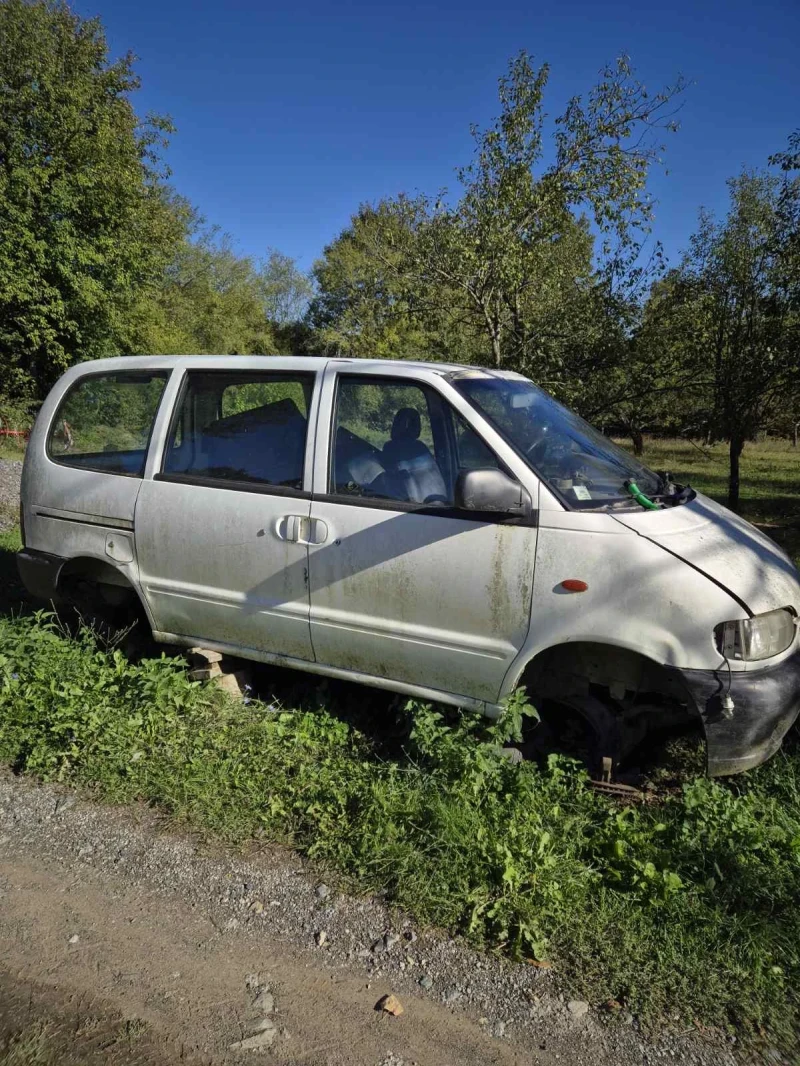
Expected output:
(313, 531)
(301, 529)
(287, 527)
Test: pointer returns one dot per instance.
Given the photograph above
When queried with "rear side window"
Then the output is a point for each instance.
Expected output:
(105, 420)
(241, 427)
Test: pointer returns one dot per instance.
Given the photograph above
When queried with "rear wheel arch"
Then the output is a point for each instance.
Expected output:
(91, 583)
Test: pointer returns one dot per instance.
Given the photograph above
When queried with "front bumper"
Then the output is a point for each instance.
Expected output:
(766, 704)
(39, 572)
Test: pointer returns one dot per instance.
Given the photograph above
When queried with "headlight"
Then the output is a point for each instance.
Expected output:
(756, 638)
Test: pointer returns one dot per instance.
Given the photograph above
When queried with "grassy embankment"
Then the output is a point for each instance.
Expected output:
(688, 908)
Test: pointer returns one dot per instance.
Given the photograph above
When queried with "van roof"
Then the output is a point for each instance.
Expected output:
(307, 362)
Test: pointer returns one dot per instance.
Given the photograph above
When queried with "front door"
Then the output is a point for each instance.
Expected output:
(403, 585)
(221, 530)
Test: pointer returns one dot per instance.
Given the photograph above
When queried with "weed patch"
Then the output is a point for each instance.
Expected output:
(688, 908)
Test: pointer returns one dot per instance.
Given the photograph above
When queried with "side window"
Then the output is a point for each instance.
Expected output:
(105, 420)
(389, 441)
(395, 439)
(236, 426)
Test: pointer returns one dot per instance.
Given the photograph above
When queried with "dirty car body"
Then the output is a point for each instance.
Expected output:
(444, 531)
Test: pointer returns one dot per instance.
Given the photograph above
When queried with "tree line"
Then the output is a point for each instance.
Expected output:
(541, 262)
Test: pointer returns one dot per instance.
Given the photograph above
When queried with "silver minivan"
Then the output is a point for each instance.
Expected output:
(440, 530)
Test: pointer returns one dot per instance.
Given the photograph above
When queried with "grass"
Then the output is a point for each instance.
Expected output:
(688, 909)
(31, 1047)
(770, 481)
(11, 449)
(72, 1041)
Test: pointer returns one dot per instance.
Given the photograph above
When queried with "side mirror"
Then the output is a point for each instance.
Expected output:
(491, 490)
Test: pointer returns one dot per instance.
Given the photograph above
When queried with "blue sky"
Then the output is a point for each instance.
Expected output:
(290, 115)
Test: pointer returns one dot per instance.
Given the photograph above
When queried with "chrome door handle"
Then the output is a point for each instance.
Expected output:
(301, 529)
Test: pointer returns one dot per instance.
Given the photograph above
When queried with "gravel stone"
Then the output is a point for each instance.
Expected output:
(578, 1008)
(264, 1025)
(254, 1043)
(264, 1002)
(10, 476)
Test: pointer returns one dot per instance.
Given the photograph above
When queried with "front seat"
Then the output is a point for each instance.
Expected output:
(409, 462)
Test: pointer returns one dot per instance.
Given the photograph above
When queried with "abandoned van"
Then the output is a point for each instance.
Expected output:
(439, 530)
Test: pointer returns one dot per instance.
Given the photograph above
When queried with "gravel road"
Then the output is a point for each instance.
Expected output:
(109, 912)
(10, 474)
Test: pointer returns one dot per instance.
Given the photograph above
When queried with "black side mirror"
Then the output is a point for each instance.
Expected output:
(491, 490)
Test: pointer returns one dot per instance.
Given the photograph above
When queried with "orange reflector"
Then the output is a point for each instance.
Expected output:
(573, 585)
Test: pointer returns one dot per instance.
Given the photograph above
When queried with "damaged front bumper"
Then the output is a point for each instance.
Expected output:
(766, 702)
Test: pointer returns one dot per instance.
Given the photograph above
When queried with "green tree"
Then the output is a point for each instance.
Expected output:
(648, 382)
(367, 302)
(515, 246)
(730, 316)
(286, 290)
(85, 222)
(507, 274)
(209, 300)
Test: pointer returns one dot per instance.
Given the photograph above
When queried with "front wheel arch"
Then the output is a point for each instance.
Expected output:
(621, 695)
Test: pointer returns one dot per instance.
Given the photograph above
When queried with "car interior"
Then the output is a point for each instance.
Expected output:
(263, 444)
(403, 469)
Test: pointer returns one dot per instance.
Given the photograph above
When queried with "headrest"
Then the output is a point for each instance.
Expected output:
(407, 424)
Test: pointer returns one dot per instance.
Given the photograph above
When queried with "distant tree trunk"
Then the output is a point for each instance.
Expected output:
(496, 350)
(735, 451)
(638, 441)
(794, 434)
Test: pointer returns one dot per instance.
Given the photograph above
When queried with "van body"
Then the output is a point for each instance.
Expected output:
(445, 531)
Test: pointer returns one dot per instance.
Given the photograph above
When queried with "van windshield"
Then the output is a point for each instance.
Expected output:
(586, 469)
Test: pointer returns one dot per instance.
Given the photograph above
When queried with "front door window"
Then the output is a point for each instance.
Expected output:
(399, 440)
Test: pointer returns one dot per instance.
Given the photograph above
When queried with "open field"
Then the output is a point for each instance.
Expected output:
(685, 909)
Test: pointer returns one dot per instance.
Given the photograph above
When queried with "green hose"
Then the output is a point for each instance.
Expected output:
(640, 497)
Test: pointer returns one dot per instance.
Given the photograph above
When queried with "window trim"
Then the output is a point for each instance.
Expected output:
(384, 504)
(448, 511)
(53, 458)
(263, 488)
(206, 481)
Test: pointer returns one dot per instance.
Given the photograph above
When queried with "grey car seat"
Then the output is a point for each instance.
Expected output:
(410, 463)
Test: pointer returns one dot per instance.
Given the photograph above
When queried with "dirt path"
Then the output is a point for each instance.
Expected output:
(138, 946)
